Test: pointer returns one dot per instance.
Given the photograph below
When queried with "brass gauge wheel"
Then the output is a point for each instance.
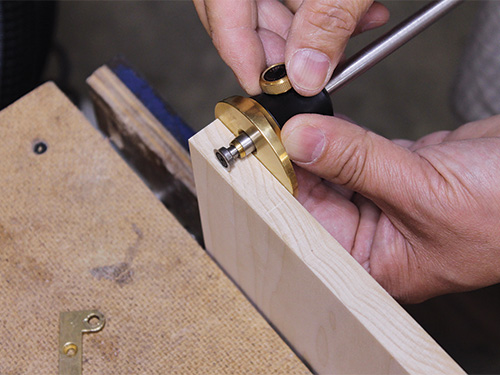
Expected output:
(256, 122)
(246, 118)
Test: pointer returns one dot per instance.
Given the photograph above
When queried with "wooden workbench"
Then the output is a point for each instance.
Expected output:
(79, 230)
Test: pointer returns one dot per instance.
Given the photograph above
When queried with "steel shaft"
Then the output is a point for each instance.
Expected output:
(389, 42)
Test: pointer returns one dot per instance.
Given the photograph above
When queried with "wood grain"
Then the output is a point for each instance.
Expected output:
(133, 129)
(321, 300)
(154, 153)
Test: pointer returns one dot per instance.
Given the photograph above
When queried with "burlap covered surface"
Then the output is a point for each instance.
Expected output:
(79, 230)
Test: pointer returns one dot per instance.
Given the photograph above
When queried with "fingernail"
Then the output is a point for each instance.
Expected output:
(308, 69)
(305, 144)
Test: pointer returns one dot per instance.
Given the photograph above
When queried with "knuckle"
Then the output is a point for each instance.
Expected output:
(353, 163)
(396, 284)
(332, 17)
(404, 272)
(405, 296)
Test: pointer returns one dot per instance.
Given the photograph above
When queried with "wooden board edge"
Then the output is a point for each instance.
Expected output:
(147, 146)
(122, 116)
(266, 241)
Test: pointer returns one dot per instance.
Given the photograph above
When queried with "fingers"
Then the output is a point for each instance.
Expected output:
(275, 17)
(317, 38)
(351, 156)
(369, 215)
(233, 24)
(248, 35)
(274, 46)
(293, 5)
(331, 207)
(486, 128)
(274, 22)
(377, 15)
(404, 142)
(429, 140)
(199, 5)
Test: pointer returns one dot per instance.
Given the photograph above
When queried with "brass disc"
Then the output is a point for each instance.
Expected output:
(239, 114)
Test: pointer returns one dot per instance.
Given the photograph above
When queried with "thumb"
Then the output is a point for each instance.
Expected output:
(317, 38)
(351, 156)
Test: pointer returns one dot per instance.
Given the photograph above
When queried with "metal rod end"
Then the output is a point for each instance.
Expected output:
(240, 147)
(226, 156)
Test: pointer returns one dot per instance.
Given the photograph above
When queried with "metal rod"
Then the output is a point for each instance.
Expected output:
(389, 42)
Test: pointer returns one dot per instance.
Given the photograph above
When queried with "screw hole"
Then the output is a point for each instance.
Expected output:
(70, 349)
(40, 148)
(93, 320)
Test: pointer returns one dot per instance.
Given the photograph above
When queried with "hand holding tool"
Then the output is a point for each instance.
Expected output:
(257, 121)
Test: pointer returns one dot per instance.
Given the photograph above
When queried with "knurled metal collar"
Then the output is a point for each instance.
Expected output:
(274, 80)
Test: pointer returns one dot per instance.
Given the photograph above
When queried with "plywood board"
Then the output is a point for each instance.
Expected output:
(323, 302)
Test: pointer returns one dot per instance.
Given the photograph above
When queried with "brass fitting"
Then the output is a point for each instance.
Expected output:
(256, 132)
(274, 81)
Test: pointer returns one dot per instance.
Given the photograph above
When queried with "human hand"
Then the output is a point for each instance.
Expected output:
(309, 36)
(422, 218)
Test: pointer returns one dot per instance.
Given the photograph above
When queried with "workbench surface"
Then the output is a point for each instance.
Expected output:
(79, 230)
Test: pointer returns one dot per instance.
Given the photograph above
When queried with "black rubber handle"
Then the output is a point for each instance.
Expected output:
(284, 106)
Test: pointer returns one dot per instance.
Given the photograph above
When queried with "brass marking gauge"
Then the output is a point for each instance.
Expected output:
(257, 121)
